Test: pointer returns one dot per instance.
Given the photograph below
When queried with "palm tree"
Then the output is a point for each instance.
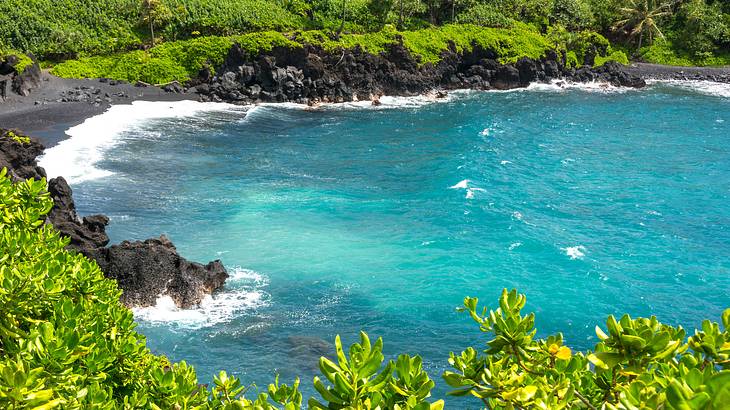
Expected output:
(640, 18)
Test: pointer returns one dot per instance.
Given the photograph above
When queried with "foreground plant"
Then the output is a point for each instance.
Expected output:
(360, 382)
(638, 364)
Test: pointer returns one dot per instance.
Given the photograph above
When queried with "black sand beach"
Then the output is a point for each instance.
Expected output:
(58, 104)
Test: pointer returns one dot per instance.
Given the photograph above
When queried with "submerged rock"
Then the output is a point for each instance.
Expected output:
(144, 270)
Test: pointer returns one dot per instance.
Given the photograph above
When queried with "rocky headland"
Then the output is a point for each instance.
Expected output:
(144, 270)
(311, 75)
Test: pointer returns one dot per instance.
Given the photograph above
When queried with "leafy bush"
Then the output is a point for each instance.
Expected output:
(22, 62)
(486, 15)
(227, 17)
(173, 61)
(666, 52)
(359, 382)
(510, 44)
(638, 364)
(615, 55)
(67, 27)
(574, 14)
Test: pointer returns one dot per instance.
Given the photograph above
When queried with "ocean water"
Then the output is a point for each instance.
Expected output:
(592, 201)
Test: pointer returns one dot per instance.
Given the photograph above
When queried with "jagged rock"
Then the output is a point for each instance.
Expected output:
(19, 158)
(85, 235)
(30, 78)
(506, 77)
(149, 269)
(144, 270)
(311, 74)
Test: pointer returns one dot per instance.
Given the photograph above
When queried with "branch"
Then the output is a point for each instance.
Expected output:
(584, 400)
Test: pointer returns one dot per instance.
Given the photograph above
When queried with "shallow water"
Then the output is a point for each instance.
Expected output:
(349, 217)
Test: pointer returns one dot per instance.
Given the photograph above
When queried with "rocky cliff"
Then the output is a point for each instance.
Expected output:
(311, 74)
(144, 270)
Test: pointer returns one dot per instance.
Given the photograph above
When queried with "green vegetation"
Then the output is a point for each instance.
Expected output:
(638, 364)
(23, 60)
(168, 62)
(181, 60)
(684, 32)
(66, 342)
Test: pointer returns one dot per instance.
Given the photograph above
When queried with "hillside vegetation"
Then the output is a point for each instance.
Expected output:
(67, 342)
(664, 31)
(181, 60)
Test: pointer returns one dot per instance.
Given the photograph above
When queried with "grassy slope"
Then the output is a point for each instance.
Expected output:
(181, 60)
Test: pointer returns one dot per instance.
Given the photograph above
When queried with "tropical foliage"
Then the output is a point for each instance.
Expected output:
(638, 364)
(67, 342)
(663, 31)
(181, 60)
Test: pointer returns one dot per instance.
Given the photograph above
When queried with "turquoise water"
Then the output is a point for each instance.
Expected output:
(342, 218)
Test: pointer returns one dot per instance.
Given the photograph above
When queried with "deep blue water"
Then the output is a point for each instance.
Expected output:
(341, 219)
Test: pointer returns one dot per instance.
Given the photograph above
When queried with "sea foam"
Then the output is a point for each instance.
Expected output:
(700, 86)
(76, 157)
(243, 291)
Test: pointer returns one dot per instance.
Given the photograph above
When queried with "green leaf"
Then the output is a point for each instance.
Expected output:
(605, 360)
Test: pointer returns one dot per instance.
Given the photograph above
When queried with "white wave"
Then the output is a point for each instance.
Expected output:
(242, 292)
(76, 157)
(463, 184)
(575, 252)
(700, 86)
(563, 85)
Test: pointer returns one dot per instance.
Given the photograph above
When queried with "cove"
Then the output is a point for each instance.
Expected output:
(349, 217)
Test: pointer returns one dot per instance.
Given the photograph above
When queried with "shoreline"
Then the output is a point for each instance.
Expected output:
(59, 104)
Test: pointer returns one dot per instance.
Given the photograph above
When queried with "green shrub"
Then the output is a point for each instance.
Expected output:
(510, 44)
(227, 17)
(615, 55)
(24, 61)
(571, 60)
(173, 61)
(360, 382)
(60, 28)
(487, 15)
(665, 52)
(638, 364)
(573, 14)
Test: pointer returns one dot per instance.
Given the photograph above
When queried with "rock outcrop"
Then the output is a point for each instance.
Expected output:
(12, 80)
(311, 75)
(19, 159)
(144, 270)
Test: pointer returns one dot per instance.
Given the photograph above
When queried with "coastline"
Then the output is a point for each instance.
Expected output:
(59, 104)
(44, 113)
